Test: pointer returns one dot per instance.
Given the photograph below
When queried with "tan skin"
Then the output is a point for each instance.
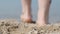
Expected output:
(43, 11)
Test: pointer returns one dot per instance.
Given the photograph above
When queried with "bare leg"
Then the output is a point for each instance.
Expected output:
(26, 11)
(43, 12)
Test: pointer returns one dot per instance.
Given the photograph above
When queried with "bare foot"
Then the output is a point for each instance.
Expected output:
(25, 18)
(40, 23)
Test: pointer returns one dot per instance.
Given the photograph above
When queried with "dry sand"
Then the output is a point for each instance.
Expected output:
(12, 26)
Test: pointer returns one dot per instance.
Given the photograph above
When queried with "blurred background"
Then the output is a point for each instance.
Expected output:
(13, 9)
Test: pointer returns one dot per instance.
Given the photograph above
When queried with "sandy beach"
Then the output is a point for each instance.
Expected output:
(12, 26)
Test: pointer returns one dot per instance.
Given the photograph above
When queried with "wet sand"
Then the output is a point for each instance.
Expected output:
(12, 26)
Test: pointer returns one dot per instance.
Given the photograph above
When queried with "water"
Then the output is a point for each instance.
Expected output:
(12, 9)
